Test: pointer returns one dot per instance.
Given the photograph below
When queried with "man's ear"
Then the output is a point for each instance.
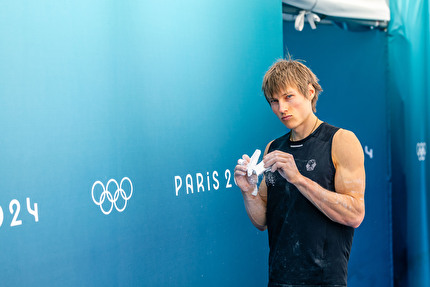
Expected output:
(311, 93)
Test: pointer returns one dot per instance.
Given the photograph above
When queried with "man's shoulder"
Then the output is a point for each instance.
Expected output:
(346, 145)
(325, 132)
(341, 130)
(344, 136)
(330, 127)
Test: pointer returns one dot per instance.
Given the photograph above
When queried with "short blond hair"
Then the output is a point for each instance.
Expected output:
(286, 73)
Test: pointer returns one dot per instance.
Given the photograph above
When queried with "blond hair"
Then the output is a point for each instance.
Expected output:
(286, 73)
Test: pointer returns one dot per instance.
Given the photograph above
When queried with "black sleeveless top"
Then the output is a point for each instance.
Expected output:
(306, 247)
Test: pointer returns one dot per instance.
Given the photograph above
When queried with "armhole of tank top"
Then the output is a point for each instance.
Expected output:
(274, 142)
(331, 149)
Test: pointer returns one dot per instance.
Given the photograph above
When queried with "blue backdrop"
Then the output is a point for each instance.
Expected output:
(409, 93)
(157, 92)
(154, 102)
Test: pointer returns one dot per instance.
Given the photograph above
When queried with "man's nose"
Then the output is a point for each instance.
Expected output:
(283, 106)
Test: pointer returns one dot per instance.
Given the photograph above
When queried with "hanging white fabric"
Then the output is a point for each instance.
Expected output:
(353, 9)
(310, 17)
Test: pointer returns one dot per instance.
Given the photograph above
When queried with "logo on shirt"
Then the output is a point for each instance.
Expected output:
(310, 166)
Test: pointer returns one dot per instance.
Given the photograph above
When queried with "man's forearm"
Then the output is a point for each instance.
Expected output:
(256, 209)
(341, 208)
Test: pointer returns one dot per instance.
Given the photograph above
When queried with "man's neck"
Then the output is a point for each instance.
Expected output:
(305, 129)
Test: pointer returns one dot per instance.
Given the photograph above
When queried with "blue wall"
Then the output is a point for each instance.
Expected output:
(154, 91)
(409, 77)
(352, 69)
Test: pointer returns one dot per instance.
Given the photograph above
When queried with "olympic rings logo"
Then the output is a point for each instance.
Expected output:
(106, 194)
(421, 151)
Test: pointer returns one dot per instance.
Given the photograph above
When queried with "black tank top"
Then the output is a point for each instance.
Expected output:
(306, 247)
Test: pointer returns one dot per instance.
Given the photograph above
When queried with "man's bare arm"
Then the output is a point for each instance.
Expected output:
(255, 205)
(346, 205)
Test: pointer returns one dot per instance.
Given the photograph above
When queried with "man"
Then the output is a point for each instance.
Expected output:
(312, 197)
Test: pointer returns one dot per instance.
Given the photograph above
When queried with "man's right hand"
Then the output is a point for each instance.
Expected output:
(246, 183)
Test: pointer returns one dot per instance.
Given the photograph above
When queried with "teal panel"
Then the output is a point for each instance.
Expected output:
(409, 78)
(159, 92)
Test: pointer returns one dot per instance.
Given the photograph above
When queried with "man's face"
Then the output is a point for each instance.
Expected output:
(292, 107)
